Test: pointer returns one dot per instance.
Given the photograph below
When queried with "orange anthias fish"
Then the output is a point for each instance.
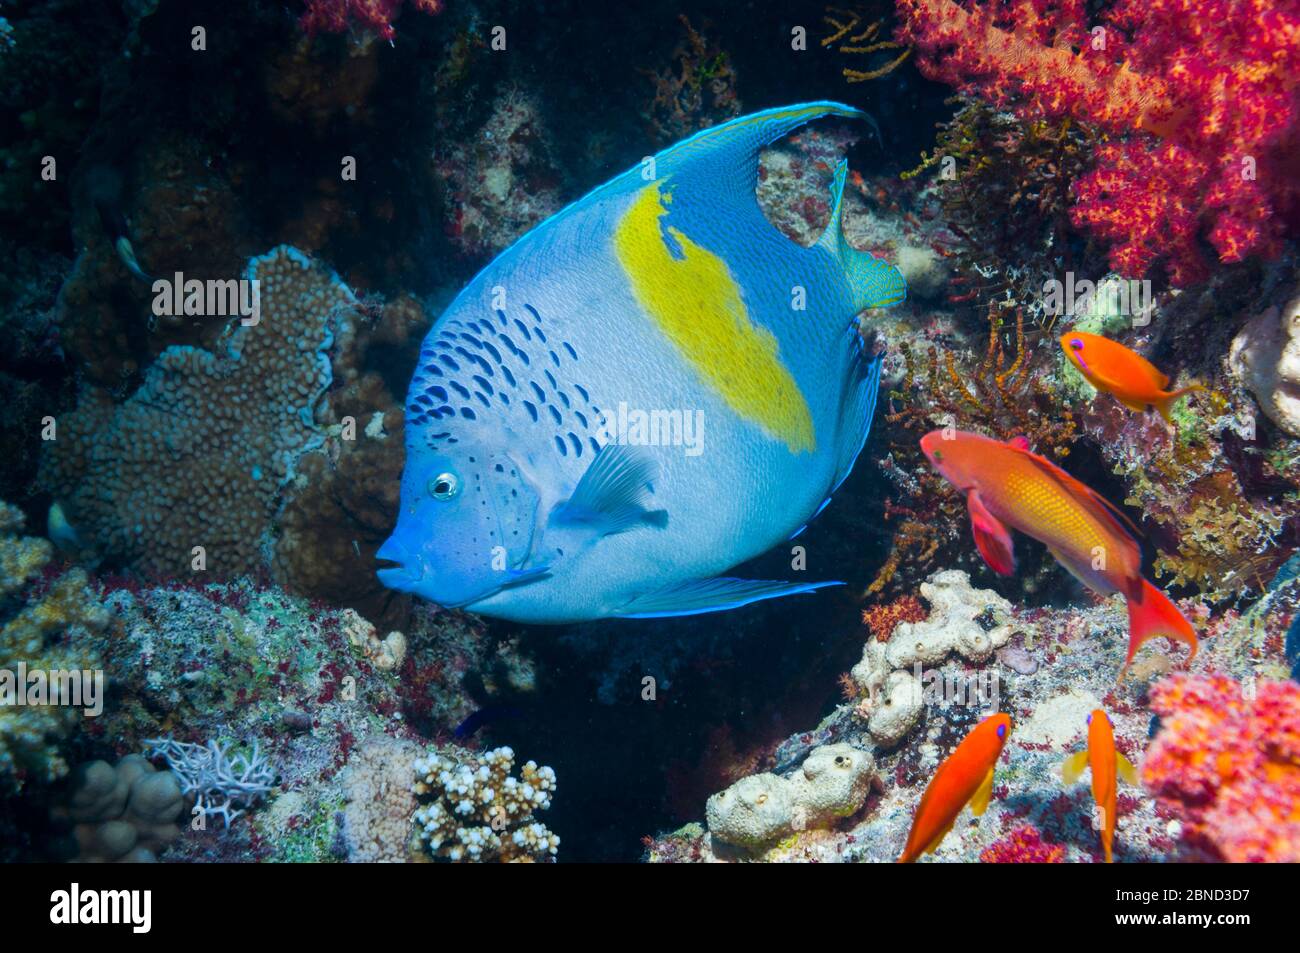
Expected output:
(1105, 763)
(1131, 378)
(1008, 487)
(965, 776)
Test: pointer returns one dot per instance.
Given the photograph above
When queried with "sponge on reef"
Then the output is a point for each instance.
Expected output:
(763, 808)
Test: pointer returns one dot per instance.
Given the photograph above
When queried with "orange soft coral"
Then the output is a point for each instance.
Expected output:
(1229, 764)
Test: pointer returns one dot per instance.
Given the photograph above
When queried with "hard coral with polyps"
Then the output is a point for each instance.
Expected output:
(474, 810)
(198, 455)
(123, 813)
(1227, 759)
(49, 625)
(762, 809)
(1199, 98)
(1265, 358)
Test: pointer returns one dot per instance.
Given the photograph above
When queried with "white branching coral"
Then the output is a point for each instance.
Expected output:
(475, 810)
(222, 785)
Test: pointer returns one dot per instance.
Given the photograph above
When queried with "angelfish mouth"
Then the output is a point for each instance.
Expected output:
(394, 566)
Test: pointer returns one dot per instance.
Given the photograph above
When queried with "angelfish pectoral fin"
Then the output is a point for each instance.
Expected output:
(611, 496)
(712, 595)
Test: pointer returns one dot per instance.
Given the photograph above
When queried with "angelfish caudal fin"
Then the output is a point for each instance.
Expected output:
(1153, 615)
(875, 283)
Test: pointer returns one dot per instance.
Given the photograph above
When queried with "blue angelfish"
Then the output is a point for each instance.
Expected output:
(645, 390)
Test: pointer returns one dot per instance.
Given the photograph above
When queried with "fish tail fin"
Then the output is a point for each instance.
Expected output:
(874, 283)
(1166, 403)
(1153, 614)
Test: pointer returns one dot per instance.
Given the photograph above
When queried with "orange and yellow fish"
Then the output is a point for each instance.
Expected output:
(966, 776)
(1008, 487)
(1111, 367)
(1106, 765)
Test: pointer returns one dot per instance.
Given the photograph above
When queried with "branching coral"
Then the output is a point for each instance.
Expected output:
(1199, 97)
(1227, 759)
(1005, 185)
(222, 784)
(48, 627)
(473, 809)
(849, 35)
(697, 91)
(198, 455)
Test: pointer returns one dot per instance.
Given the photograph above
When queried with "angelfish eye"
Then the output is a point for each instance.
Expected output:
(1002, 731)
(1077, 344)
(444, 486)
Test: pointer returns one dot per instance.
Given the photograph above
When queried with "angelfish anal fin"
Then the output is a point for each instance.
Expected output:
(611, 496)
(712, 595)
(991, 537)
(1073, 767)
(980, 802)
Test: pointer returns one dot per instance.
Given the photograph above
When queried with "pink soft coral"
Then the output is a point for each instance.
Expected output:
(335, 16)
(1199, 98)
(1229, 764)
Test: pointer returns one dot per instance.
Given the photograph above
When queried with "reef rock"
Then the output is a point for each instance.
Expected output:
(763, 808)
(1265, 357)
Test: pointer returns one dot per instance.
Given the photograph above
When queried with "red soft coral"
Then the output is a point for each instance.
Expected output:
(335, 16)
(1199, 98)
(1229, 764)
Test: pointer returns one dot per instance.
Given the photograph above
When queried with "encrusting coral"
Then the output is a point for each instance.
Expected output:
(49, 625)
(473, 809)
(198, 455)
(379, 802)
(761, 809)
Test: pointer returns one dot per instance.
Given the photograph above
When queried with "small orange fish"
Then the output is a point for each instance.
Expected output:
(1105, 763)
(965, 776)
(1008, 486)
(1128, 376)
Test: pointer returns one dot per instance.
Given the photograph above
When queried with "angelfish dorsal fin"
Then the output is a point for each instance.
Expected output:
(833, 238)
(611, 496)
